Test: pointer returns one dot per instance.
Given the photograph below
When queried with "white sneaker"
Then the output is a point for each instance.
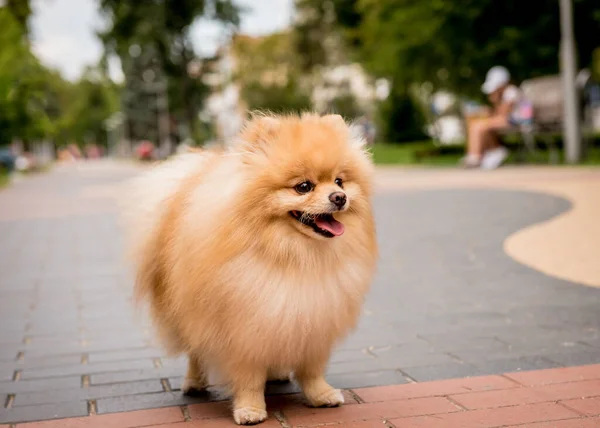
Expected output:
(470, 161)
(492, 159)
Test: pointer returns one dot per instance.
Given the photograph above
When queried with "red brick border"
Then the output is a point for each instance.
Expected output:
(556, 398)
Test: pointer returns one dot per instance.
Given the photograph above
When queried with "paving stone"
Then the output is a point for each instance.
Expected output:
(91, 392)
(81, 369)
(129, 376)
(6, 374)
(507, 365)
(40, 384)
(345, 356)
(48, 411)
(145, 401)
(8, 353)
(443, 371)
(443, 276)
(577, 358)
(180, 362)
(51, 361)
(130, 354)
(78, 349)
(363, 380)
(398, 357)
(462, 342)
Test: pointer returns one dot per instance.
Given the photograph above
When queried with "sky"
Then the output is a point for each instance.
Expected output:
(64, 31)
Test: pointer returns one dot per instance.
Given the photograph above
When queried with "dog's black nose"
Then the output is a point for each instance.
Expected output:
(338, 198)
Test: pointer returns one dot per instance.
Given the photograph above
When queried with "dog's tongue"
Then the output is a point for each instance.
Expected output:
(330, 224)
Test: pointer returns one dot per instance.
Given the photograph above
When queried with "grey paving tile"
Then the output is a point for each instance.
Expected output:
(145, 401)
(44, 412)
(133, 375)
(129, 354)
(91, 392)
(576, 358)
(8, 353)
(176, 382)
(461, 342)
(443, 371)
(117, 366)
(398, 357)
(6, 374)
(363, 380)
(443, 276)
(378, 339)
(50, 361)
(180, 362)
(345, 356)
(508, 365)
(69, 382)
(78, 349)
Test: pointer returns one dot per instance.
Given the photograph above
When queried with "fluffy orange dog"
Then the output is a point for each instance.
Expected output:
(256, 260)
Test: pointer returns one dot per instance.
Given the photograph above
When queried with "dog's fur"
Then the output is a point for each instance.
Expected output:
(233, 280)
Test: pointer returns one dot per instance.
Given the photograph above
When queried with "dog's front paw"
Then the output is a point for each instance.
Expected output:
(249, 415)
(329, 398)
(193, 386)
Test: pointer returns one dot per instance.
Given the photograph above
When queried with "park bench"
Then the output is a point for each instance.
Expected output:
(544, 102)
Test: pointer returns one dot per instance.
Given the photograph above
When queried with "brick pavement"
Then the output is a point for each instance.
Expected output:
(554, 398)
(447, 301)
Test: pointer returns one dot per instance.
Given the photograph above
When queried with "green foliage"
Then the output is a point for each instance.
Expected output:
(311, 29)
(22, 84)
(452, 43)
(346, 106)
(399, 118)
(20, 10)
(269, 75)
(91, 101)
(448, 43)
(276, 98)
(596, 64)
(161, 29)
(36, 103)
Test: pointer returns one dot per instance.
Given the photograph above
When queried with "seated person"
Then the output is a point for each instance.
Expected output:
(483, 146)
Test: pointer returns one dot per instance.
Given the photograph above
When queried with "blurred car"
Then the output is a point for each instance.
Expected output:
(7, 160)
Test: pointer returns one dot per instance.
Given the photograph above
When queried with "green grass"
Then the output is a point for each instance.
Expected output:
(4, 178)
(417, 153)
(425, 153)
(593, 156)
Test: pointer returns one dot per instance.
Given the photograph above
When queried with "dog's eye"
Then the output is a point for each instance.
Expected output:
(339, 182)
(304, 187)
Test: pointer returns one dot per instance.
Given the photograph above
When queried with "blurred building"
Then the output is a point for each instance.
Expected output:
(263, 61)
(223, 106)
(336, 81)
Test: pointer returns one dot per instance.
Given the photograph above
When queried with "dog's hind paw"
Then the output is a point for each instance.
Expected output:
(193, 386)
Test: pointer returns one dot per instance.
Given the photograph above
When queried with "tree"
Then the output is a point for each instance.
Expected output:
(163, 29)
(448, 43)
(22, 83)
(452, 43)
(21, 11)
(91, 101)
(268, 73)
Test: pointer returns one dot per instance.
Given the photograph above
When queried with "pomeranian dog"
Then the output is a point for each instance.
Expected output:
(256, 259)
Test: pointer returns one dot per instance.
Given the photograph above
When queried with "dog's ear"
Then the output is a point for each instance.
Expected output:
(357, 136)
(258, 133)
(335, 120)
(355, 132)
